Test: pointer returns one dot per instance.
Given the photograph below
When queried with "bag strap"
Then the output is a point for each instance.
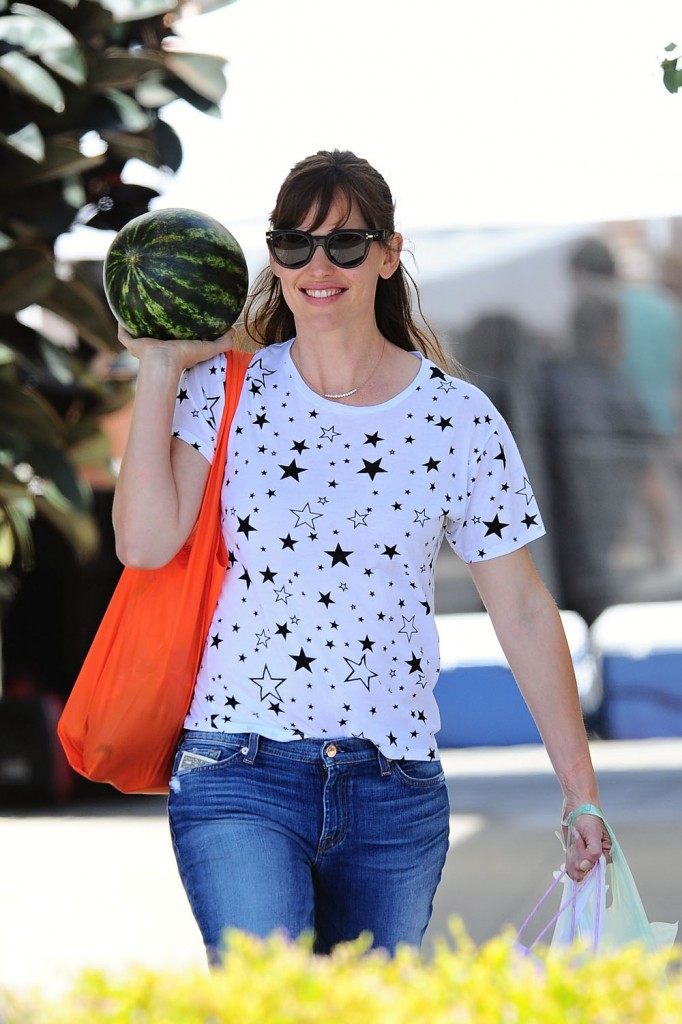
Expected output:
(587, 809)
(577, 888)
(236, 365)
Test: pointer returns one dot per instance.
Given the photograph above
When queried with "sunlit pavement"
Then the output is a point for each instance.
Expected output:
(95, 884)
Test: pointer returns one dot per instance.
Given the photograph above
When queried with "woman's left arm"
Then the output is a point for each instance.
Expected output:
(531, 633)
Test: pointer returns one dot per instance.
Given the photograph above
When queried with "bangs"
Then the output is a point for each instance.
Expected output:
(316, 196)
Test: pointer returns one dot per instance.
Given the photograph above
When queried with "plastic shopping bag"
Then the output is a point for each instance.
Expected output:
(602, 912)
(607, 909)
(579, 917)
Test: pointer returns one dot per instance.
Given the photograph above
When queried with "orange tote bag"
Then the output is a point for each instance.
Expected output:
(125, 713)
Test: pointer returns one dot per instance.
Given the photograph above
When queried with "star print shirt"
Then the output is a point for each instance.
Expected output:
(333, 516)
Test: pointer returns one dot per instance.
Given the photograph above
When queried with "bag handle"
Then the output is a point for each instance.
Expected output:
(592, 809)
(236, 365)
(570, 902)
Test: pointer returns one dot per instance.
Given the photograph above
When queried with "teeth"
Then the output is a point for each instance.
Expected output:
(322, 293)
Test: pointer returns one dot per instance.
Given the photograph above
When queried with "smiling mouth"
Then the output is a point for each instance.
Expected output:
(322, 293)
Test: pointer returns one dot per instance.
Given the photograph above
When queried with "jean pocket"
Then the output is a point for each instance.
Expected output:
(419, 773)
(195, 756)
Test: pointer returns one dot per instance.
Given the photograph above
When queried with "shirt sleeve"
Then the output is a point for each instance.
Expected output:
(199, 405)
(501, 513)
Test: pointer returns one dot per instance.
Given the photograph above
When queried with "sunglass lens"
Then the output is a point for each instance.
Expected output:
(291, 248)
(347, 248)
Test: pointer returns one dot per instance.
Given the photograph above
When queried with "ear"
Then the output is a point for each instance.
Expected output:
(392, 252)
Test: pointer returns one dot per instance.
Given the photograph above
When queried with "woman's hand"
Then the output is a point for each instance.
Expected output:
(181, 353)
(585, 844)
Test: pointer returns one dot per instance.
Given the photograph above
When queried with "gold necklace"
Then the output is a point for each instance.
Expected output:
(342, 394)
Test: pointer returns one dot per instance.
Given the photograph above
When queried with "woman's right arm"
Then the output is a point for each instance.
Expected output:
(162, 479)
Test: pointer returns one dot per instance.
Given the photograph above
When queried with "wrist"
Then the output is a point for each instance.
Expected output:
(569, 814)
(579, 783)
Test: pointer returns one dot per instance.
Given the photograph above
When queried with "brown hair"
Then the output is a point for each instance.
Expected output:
(317, 182)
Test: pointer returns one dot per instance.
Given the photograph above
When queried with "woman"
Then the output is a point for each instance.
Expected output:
(307, 793)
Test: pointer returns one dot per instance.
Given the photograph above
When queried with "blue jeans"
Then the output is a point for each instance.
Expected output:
(308, 836)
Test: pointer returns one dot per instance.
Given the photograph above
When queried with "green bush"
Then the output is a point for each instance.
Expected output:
(276, 982)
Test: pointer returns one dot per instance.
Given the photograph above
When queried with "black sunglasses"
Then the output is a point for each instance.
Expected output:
(347, 247)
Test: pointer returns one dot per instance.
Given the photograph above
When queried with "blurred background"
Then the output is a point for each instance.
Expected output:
(536, 160)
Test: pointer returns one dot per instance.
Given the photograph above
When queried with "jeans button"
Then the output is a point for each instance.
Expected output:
(331, 750)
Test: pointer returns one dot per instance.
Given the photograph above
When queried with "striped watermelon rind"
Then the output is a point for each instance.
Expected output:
(175, 273)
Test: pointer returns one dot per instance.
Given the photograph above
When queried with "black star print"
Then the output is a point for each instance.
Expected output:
(494, 526)
(292, 470)
(265, 682)
(372, 468)
(414, 662)
(283, 629)
(502, 457)
(182, 395)
(305, 516)
(302, 660)
(359, 671)
(529, 521)
(431, 464)
(390, 551)
(288, 542)
(245, 526)
(373, 439)
(300, 447)
(338, 555)
(267, 574)
(216, 640)
(326, 599)
(393, 740)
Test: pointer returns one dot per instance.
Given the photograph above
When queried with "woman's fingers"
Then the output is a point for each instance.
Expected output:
(185, 352)
(587, 842)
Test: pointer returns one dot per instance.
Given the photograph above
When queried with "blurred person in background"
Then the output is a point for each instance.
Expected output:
(602, 452)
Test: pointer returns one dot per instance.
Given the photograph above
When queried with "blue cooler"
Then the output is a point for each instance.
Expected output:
(479, 701)
(639, 648)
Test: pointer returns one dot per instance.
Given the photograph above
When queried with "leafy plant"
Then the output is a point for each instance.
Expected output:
(282, 983)
(83, 84)
(672, 74)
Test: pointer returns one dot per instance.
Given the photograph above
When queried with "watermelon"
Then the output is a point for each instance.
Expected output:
(175, 273)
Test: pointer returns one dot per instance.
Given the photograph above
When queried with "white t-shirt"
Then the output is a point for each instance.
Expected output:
(333, 516)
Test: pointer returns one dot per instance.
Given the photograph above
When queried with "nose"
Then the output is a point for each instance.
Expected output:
(319, 259)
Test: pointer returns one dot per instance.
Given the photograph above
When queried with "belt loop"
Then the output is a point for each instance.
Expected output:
(252, 749)
(384, 764)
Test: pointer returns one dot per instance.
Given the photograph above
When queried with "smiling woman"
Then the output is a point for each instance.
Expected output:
(307, 793)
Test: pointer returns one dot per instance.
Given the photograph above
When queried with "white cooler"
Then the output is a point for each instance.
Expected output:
(639, 649)
(479, 701)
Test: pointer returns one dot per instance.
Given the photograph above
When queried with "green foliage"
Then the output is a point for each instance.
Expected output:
(276, 982)
(83, 84)
(672, 74)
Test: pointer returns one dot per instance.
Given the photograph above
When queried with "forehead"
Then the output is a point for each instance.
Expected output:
(336, 214)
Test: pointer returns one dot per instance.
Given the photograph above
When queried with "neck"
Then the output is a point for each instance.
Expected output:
(342, 377)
